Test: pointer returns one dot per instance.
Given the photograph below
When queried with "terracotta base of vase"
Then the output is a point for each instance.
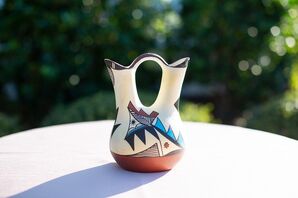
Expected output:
(148, 164)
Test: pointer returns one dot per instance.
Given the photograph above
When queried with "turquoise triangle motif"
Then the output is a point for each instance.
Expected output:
(159, 125)
(171, 133)
(180, 140)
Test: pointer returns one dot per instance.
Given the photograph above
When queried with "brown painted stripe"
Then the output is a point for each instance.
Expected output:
(152, 151)
(148, 164)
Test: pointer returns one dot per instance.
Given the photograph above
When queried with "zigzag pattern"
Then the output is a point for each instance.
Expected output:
(140, 122)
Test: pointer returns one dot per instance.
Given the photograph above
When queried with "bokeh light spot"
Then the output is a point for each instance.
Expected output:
(293, 13)
(256, 70)
(284, 3)
(137, 14)
(243, 65)
(252, 31)
(275, 30)
(290, 41)
(264, 60)
(281, 52)
(74, 80)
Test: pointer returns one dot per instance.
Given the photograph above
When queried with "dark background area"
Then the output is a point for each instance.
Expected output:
(243, 67)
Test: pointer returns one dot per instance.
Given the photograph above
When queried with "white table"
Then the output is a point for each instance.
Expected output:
(221, 161)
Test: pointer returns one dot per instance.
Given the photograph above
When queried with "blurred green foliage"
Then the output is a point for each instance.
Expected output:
(8, 124)
(52, 51)
(196, 113)
(102, 106)
(227, 42)
(97, 107)
(51, 54)
(294, 77)
(278, 116)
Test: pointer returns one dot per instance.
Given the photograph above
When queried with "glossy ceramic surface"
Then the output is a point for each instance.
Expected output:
(147, 139)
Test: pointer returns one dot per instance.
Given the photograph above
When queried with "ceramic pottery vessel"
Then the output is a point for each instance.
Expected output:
(147, 139)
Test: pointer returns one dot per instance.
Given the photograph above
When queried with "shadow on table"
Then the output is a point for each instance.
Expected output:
(100, 181)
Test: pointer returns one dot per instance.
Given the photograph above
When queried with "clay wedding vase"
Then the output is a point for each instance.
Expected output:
(147, 138)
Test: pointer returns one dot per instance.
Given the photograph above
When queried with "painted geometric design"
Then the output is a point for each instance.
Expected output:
(174, 152)
(149, 152)
(169, 134)
(159, 125)
(114, 128)
(115, 125)
(166, 145)
(177, 104)
(138, 131)
(140, 122)
(153, 151)
(141, 116)
(180, 140)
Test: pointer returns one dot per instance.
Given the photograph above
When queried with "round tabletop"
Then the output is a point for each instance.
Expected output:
(74, 160)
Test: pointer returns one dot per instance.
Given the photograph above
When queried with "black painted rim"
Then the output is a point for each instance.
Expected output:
(116, 66)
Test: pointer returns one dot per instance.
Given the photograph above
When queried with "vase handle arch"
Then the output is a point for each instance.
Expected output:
(171, 80)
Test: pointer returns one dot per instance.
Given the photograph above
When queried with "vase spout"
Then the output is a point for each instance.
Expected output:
(110, 63)
(114, 65)
(181, 63)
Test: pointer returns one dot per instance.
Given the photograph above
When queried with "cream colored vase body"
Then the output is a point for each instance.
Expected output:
(147, 139)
